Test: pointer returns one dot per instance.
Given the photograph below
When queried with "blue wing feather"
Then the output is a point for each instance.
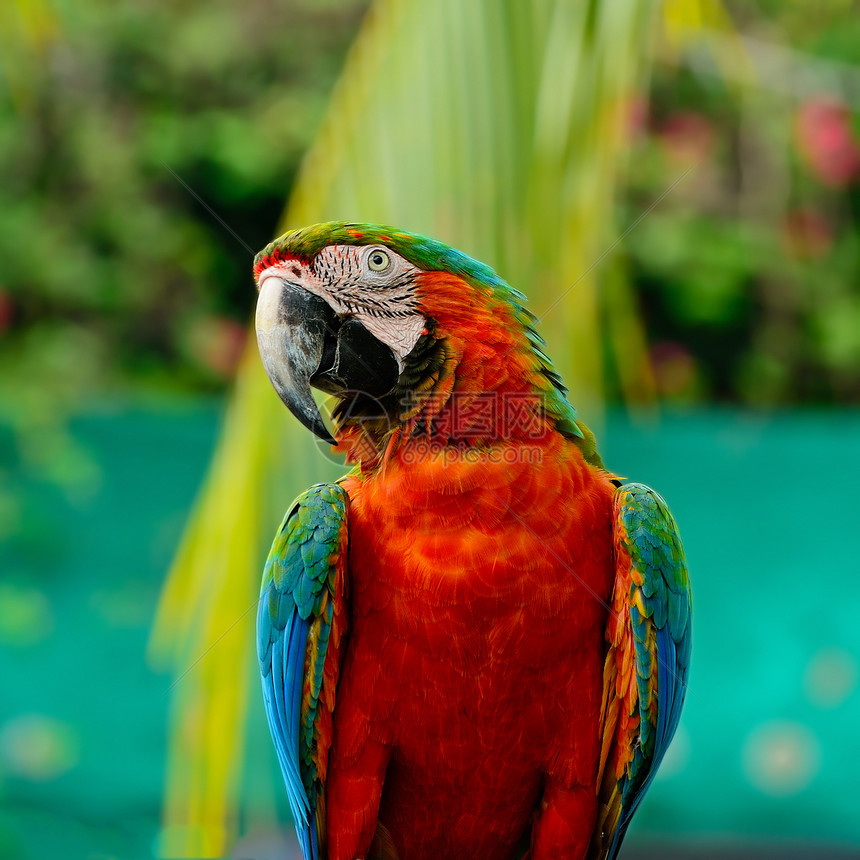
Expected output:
(653, 599)
(302, 580)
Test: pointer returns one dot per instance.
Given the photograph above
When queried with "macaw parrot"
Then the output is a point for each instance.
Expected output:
(475, 645)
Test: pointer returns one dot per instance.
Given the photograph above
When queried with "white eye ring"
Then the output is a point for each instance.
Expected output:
(378, 260)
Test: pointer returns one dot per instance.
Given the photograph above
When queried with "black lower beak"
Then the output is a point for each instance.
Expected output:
(356, 362)
(303, 343)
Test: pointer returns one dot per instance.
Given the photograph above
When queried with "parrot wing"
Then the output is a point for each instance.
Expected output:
(301, 627)
(645, 673)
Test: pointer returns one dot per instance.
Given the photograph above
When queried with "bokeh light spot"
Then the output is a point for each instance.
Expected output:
(25, 615)
(831, 677)
(37, 747)
(781, 758)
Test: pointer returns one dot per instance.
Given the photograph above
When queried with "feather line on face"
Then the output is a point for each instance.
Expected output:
(383, 301)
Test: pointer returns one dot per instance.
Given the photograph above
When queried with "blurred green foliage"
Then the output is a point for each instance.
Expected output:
(748, 270)
(112, 274)
(123, 124)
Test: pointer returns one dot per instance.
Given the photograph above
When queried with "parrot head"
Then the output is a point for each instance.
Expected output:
(397, 326)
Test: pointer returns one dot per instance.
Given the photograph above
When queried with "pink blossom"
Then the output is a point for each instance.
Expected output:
(826, 142)
(687, 136)
(7, 311)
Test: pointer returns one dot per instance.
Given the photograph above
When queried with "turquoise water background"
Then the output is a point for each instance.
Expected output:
(767, 509)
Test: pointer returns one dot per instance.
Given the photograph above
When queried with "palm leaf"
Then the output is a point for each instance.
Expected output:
(498, 127)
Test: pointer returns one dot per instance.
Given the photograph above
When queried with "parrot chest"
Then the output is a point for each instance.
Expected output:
(466, 622)
(478, 614)
(465, 672)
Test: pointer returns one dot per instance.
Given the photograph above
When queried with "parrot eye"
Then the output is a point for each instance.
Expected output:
(378, 261)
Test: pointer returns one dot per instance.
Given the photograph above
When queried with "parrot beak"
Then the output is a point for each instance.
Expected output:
(291, 334)
(304, 343)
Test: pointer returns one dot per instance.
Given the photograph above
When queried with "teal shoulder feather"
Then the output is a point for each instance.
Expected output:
(301, 625)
